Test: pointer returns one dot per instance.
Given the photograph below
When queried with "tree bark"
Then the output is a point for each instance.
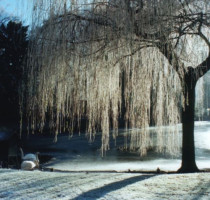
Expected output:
(188, 146)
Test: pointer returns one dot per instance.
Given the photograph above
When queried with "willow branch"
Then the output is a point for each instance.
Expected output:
(202, 68)
(166, 49)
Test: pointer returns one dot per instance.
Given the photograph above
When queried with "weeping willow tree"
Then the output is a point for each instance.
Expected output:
(105, 60)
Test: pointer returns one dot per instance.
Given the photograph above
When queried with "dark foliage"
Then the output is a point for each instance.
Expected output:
(13, 47)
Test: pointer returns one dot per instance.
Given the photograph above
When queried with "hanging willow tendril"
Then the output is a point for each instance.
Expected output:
(105, 60)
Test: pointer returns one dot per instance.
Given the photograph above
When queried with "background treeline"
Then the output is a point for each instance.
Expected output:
(13, 48)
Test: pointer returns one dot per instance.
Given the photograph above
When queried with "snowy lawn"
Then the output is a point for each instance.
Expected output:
(37, 185)
(77, 154)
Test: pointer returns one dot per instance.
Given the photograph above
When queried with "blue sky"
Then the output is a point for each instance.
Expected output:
(17, 8)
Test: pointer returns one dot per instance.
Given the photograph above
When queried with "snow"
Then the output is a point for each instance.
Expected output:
(38, 185)
(77, 154)
(90, 176)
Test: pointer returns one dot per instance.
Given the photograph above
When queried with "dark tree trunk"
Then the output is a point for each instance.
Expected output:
(188, 146)
(188, 81)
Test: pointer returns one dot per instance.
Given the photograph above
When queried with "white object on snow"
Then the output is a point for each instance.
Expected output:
(28, 165)
(30, 157)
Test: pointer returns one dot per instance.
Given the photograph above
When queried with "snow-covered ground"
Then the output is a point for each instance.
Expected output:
(37, 185)
(77, 154)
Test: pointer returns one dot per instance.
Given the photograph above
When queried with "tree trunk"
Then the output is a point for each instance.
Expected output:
(188, 146)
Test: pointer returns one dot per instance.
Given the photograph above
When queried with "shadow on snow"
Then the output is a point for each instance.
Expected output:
(102, 191)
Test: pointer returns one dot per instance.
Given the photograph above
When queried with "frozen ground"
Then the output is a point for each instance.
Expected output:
(77, 154)
(37, 185)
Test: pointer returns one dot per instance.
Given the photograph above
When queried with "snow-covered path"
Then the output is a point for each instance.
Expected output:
(37, 185)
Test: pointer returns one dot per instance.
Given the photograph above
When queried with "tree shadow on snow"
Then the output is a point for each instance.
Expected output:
(102, 191)
(202, 189)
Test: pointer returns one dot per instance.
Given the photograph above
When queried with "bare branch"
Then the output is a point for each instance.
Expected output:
(202, 68)
(167, 50)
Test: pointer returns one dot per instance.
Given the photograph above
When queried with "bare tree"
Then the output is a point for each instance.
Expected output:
(86, 56)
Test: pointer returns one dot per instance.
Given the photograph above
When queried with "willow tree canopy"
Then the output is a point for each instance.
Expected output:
(105, 60)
